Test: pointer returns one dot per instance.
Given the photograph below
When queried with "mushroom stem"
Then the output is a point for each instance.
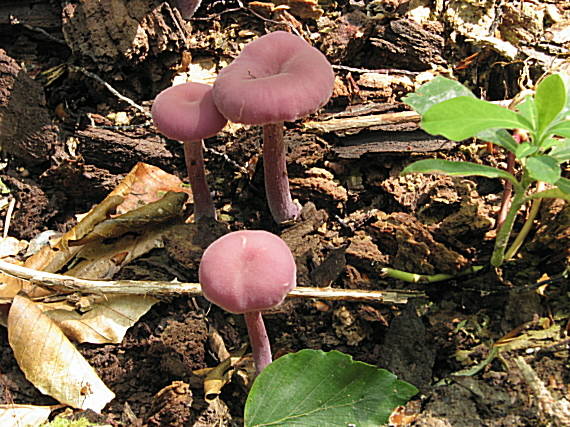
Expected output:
(275, 173)
(203, 204)
(259, 341)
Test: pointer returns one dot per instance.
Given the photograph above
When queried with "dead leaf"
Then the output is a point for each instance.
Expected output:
(23, 415)
(98, 261)
(10, 246)
(163, 210)
(106, 322)
(218, 377)
(144, 184)
(50, 361)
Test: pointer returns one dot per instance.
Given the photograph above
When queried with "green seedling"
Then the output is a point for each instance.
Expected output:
(450, 109)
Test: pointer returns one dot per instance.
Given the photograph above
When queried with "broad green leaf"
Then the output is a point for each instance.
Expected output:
(525, 149)
(464, 117)
(447, 167)
(543, 168)
(314, 388)
(561, 151)
(438, 90)
(499, 137)
(550, 99)
(564, 185)
(561, 129)
(565, 115)
(527, 109)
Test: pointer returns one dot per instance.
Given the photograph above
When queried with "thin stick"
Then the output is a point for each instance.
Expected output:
(8, 219)
(65, 283)
(110, 89)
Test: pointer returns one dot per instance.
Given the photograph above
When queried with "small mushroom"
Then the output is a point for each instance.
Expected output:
(246, 272)
(187, 8)
(278, 77)
(187, 113)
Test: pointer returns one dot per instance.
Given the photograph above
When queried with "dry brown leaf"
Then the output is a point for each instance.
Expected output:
(167, 208)
(105, 323)
(101, 261)
(23, 415)
(50, 361)
(143, 184)
(10, 246)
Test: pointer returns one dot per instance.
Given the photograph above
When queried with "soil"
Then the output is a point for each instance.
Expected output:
(65, 150)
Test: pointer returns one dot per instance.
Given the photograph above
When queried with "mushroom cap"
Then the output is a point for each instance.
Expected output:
(186, 112)
(278, 77)
(248, 270)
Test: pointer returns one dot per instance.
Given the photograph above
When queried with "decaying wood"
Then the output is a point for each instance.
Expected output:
(64, 283)
(405, 44)
(122, 32)
(40, 14)
(119, 151)
(361, 122)
(26, 130)
(391, 142)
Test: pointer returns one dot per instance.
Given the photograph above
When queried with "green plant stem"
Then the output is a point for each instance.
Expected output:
(504, 232)
(527, 225)
(425, 278)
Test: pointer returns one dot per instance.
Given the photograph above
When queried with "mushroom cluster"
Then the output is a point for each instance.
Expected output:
(278, 77)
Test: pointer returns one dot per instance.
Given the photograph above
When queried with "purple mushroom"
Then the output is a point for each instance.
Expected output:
(187, 113)
(278, 77)
(245, 272)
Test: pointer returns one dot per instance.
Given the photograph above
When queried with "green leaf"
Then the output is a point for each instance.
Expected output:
(528, 110)
(525, 149)
(552, 193)
(548, 143)
(447, 167)
(561, 151)
(564, 185)
(437, 90)
(464, 117)
(561, 129)
(543, 168)
(314, 388)
(499, 137)
(550, 99)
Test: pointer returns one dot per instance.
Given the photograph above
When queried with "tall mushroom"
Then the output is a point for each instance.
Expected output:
(278, 77)
(187, 113)
(245, 272)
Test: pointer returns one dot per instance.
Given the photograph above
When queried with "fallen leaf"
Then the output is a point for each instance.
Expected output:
(23, 415)
(165, 209)
(50, 361)
(105, 323)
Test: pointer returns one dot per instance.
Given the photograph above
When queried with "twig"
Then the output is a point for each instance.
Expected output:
(226, 158)
(379, 71)
(9, 213)
(65, 283)
(110, 89)
(15, 21)
(363, 122)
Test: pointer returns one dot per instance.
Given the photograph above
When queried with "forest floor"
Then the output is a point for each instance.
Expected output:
(76, 84)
